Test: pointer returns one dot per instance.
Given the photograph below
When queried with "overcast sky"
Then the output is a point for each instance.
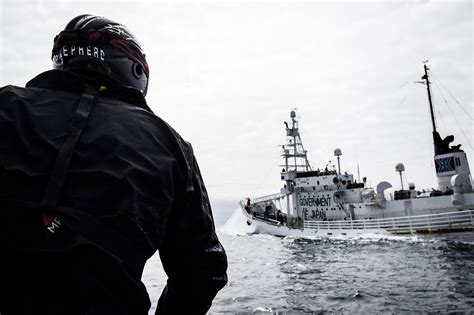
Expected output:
(226, 75)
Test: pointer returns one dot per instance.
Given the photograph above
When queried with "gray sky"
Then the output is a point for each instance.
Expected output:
(226, 74)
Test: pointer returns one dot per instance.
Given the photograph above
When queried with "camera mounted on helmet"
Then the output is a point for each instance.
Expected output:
(98, 47)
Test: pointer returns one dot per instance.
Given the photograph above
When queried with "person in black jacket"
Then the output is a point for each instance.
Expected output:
(92, 184)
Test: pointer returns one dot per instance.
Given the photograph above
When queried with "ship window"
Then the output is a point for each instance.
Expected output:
(314, 188)
(458, 162)
(318, 182)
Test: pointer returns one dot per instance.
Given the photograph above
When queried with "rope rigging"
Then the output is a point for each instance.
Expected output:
(450, 94)
(311, 151)
(454, 116)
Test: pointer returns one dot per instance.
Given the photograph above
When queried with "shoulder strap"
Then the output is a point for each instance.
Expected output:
(58, 173)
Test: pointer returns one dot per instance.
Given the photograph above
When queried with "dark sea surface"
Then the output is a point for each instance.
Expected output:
(268, 274)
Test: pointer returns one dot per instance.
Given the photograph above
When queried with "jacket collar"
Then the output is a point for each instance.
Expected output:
(68, 81)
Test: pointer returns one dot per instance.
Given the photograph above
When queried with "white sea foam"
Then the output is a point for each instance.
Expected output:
(366, 237)
(263, 309)
(236, 224)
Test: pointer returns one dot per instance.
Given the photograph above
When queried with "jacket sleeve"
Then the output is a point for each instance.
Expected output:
(191, 253)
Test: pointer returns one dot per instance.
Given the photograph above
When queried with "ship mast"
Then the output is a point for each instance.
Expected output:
(293, 150)
(451, 162)
(441, 146)
(426, 78)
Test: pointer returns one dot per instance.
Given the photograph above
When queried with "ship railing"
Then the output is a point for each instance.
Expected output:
(243, 203)
(256, 216)
(346, 200)
(268, 197)
(402, 225)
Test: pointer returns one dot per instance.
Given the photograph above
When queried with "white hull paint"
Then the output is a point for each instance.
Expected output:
(440, 223)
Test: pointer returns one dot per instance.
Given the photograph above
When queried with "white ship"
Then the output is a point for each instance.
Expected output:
(330, 203)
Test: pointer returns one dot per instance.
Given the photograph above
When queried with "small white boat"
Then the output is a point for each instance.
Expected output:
(330, 203)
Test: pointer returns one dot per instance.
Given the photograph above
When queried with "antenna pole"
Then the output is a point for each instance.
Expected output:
(429, 97)
(295, 144)
(401, 179)
(339, 165)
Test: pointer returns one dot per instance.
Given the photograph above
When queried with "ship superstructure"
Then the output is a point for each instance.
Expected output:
(327, 202)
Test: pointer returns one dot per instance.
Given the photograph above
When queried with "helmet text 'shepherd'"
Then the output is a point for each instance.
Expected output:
(73, 50)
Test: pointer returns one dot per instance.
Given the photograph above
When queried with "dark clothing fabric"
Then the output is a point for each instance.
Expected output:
(132, 187)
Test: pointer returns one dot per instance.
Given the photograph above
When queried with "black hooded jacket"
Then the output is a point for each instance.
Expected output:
(131, 187)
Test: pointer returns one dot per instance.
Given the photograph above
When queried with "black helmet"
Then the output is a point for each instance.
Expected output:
(94, 45)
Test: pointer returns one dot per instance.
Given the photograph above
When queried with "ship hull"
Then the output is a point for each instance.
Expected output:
(443, 221)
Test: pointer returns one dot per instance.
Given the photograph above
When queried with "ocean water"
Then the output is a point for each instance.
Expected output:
(269, 274)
